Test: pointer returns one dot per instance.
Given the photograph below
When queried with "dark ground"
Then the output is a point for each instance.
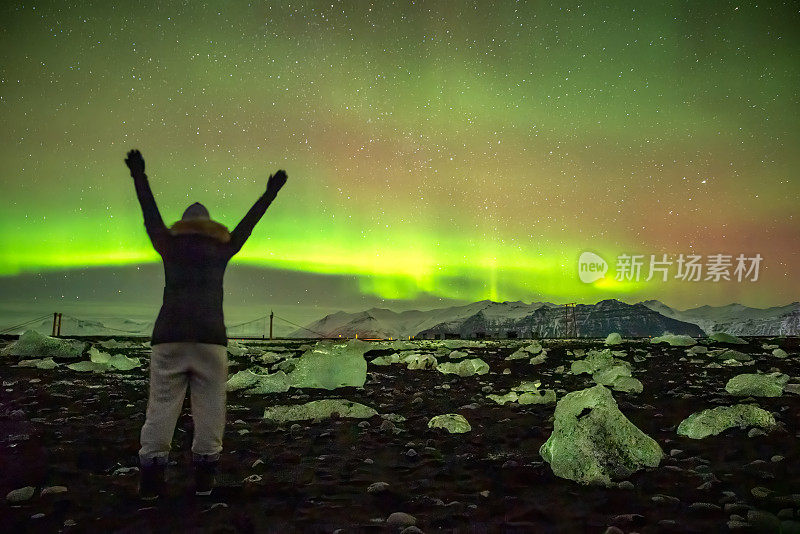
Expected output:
(73, 429)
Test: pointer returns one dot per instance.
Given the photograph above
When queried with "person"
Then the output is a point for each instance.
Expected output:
(189, 341)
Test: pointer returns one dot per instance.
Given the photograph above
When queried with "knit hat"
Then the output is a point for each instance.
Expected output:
(196, 211)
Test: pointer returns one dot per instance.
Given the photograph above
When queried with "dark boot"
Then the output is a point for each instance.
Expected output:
(152, 482)
(204, 478)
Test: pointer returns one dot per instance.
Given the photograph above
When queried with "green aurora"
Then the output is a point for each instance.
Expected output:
(463, 150)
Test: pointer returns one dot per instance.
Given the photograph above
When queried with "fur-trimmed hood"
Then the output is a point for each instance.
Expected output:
(201, 226)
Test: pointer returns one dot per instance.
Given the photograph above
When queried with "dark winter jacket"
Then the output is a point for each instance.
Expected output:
(195, 254)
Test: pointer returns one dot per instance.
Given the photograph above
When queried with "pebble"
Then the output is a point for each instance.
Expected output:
(253, 478)
(626, 485)
(777, 458)
(378, 487)
(411, 453)
(764, 521)
(20, 494)
(401, 519)
(665, 499)
(628, 519)
(257, 462)
(411, 530)
(37, 516)
(761, 492)
(704, 507)
(613, 530)
(52, 490)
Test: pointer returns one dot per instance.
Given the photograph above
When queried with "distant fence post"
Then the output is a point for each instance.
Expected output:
(55, 320)
(270, 323)
(58, 334)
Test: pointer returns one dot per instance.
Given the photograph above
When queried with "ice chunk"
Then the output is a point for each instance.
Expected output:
(628, 384)
(593, 442)
(87, 366)
(98, 356)
(511, 396)
(538, 359)
(235, 348)
(32, 343)
(613, 339)
(457, 355)
(330, 365)
(723, 337)
(581, 366)
(452, 422)
(547, 396)
(277, 382)
(318, 410)
(241, 380)
(526, 352)
(123, 363)
(757, 385)
(44, 363)
(474, 366)
(386, 360)
(730, 354)
(598, 360)
(256, 383)
(114, 344)
(415, 360)
(527, 386)
(715, 420)
(526, 393)
(779, 353)
(675, 340)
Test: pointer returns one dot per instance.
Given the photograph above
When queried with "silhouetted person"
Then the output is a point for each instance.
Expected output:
(189, 342)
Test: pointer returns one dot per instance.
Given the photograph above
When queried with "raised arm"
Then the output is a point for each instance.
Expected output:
(245, 227)
(153, 222)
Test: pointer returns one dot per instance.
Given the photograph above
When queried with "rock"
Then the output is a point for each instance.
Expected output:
(452, 422)
(318, 410)
(593, 442)
(757, 385)
(20, 494)
(401, 519)
(411, 530)
(779, 353)
(763, 521)
(712, 421)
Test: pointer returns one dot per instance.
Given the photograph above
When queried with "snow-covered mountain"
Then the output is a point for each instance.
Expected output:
(737, 319)
(501, 320)
(384, 323)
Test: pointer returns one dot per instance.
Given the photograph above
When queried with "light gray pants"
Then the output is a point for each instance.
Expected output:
(173, 366)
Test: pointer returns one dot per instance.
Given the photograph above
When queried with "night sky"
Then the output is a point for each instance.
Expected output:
(435, 150)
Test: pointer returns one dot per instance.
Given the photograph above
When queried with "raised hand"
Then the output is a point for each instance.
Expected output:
(135, 163)
(276, 181)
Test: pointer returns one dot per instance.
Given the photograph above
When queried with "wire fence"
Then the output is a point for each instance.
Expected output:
(258, 327)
